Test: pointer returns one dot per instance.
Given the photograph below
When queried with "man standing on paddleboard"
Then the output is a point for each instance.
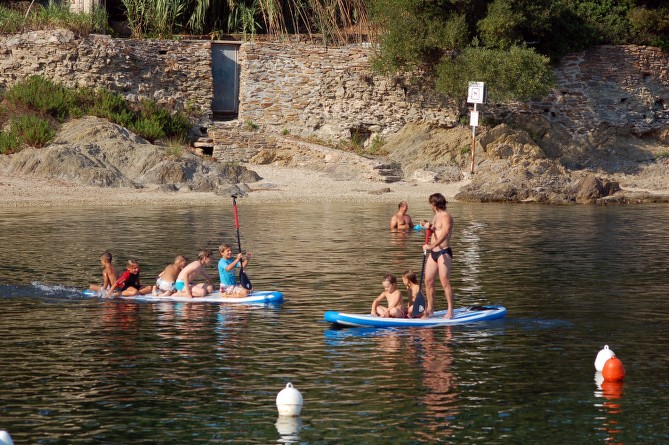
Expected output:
(440, 254)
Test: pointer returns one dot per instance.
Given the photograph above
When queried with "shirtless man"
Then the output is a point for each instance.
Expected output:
(401, 220)
(440, 254)
(184, 285)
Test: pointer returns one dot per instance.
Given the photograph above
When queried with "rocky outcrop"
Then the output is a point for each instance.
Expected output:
(93, 151)
(511, 167)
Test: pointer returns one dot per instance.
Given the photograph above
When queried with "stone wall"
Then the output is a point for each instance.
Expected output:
(174, 73)
(621, 87)
(331, 93)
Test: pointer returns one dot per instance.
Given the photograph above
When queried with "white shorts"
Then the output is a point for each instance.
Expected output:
(232, 289)
(165, 286)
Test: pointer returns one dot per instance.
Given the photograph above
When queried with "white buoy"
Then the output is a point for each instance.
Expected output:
(5, 438)
(289, 401)
(599, 379)
(602, 357)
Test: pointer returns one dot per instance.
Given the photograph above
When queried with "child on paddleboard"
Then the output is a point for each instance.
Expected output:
(411, 282)
(184, 285)
(226, 272)
(392, 294)
(109, 274)
(167, 278)
(128, 283)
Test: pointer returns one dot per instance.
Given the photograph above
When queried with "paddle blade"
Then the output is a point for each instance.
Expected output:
(418, 305)
(244, 280)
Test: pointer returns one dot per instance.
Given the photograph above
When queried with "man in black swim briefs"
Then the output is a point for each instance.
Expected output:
(440, 253)
(435, 255)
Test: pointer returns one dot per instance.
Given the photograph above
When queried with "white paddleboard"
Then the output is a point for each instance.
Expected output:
(469, 314)
(255, 297)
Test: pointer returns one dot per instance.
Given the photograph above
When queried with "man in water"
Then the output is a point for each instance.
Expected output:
(401, 220)
(440, 254)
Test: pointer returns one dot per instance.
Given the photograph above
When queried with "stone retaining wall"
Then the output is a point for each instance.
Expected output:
(174, 73)
(330, 93)
(624, 87)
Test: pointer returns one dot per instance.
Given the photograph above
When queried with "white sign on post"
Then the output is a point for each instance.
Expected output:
(474, 119)
(476, 93)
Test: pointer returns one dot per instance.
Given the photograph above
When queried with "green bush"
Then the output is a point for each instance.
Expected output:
(650, 26)
(45, 96)
(148, 128)
(39, 96)
(109, 105)
(516, 74)
(32, 130)
(9, 143)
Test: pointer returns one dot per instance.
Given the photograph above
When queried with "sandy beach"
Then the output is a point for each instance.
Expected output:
(278, 184)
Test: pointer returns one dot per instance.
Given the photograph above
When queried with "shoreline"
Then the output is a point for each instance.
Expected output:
(278, 185)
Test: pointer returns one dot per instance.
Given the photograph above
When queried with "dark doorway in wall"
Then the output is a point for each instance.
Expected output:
(225, 74)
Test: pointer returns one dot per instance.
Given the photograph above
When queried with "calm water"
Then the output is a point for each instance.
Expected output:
(78, 371)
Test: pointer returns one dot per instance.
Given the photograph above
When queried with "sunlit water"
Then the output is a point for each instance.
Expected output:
(78, 371)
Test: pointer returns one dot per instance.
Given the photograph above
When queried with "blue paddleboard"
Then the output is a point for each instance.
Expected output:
(255, 297)
(469, 314)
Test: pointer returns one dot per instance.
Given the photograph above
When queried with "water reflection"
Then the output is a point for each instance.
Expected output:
(289, 429)
(611, 409)
(440, 400)
(472, 262)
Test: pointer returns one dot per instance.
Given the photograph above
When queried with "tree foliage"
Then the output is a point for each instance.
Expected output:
(516, 73)
(509, 44)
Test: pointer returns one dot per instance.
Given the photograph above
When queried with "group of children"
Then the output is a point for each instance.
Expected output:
(392, 294)
(177, 279)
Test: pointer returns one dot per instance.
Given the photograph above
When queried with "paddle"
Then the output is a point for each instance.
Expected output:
(419, 301)
(243, 279)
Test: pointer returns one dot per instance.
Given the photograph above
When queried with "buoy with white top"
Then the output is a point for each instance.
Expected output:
(613, 371)
(5, 438)
(289, 401)
(602, 357)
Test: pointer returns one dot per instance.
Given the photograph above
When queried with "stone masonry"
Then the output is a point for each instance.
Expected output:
(329, 93)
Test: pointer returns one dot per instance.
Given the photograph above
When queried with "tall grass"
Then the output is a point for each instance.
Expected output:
(51, 16)
(155, 18)
(334, 21)
(34, 106)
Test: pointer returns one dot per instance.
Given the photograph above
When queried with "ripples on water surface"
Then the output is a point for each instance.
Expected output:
(573, 279)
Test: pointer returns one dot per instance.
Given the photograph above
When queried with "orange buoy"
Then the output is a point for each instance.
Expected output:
(613, 370)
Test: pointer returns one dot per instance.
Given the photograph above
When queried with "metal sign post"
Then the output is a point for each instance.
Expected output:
(475, 95)
(473, 121)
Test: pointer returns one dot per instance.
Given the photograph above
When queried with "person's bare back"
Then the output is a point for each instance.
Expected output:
(185, 278)
(109, 273)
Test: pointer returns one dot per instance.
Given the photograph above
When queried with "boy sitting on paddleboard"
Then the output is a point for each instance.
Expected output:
(109, 274)
(391, 293)
(185, 278)
(226, 268)
(128, 283)
(167, 278)
(411, 282)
